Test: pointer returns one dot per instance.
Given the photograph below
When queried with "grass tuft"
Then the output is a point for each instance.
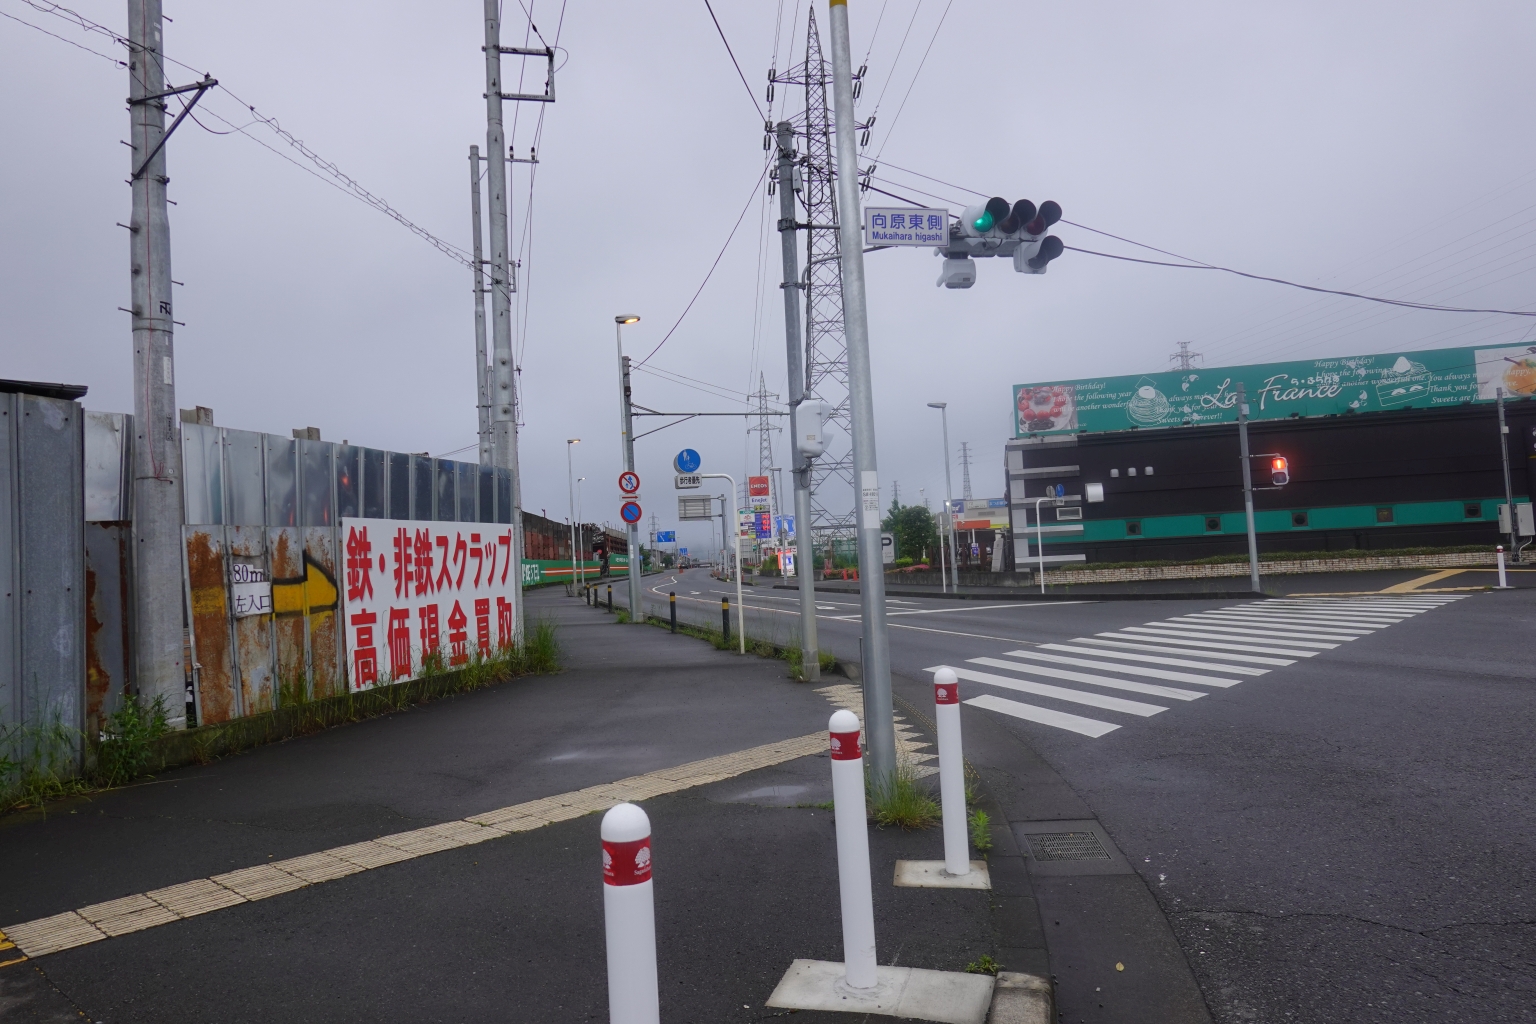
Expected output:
(980, 825)
(898, 800)
(983, 964)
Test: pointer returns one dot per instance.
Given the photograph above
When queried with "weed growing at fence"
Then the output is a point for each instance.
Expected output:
(899, 800)
(126, 748)
(37, 764)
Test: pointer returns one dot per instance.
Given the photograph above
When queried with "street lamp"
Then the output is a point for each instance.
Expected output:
(954, 559)
(570, 493)
(627, 436)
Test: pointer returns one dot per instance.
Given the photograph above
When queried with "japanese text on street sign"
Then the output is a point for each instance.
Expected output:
(905, 225)
(688, 481)
(666, 537)
(415, 589)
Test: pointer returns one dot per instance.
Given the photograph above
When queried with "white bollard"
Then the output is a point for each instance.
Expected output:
(1499, 553)
(852, 852)
(946, 712)
(629, 917)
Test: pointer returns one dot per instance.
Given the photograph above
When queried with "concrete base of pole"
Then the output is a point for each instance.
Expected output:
(908, 992)
(930, 874)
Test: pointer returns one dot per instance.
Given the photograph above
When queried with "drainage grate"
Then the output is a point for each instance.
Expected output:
(1066, 846)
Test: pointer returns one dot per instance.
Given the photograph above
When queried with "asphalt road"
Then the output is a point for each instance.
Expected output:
(1348, 836)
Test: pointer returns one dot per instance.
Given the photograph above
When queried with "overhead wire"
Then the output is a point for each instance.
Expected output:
(712, 266)
(750, 94)
(891, 125)
(71, 42)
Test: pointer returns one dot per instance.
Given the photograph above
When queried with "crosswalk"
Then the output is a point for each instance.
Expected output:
(1178, 659)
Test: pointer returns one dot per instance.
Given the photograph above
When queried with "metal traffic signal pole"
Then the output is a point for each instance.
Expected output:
(1242, 437)
(800, 471)
(157, 507)
(878, 725)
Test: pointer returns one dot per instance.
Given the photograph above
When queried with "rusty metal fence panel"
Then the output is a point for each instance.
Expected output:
(264, 553)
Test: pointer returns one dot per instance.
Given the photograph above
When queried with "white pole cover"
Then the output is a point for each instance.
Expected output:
(853, 851)
(629, 917)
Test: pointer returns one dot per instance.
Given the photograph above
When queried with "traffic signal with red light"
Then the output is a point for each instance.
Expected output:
(1279, 471)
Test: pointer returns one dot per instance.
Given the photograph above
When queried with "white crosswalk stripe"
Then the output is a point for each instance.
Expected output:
(1218, 648)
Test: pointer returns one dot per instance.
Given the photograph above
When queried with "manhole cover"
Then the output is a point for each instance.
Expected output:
(1066, 846)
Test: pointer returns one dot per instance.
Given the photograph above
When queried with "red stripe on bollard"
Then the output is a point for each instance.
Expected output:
(845, 746)
(946, 693)
(627, 863)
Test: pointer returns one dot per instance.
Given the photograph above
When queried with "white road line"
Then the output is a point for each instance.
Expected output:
(1153, 638)
(1336, 625)
(1160, 629)
(1043, 716)
(1278, 633)
(1172, 693)
(1099, 652)
(1135, 670)
(1148, 644)
(1344, 621)
(1325, 614)
(1097, 700)
(951, 632)
(984, 608)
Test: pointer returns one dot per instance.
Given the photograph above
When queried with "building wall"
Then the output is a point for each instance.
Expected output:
(1406, 478)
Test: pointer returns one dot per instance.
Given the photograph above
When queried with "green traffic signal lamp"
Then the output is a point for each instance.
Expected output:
(995, 210)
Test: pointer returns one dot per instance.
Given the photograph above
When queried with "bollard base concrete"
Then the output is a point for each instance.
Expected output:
(930, 874)
(912, 993)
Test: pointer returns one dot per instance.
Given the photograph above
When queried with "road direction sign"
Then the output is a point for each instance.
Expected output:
(682, 551)
(687, 481)
(687, 461)
(630, 512)
(666, 537)
(629, 481)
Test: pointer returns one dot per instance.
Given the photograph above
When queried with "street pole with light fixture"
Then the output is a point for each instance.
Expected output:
(580, 533)
(627, 433)
(880, 727)
(1040, 537)
(954, 557)
(570, 493)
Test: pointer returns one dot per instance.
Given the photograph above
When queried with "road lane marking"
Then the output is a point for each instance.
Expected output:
(261, 881)
(1135, 670)
(1149, 636)
(1412, 585)
(1097, 700)
(1297, 622)
(1153, 645)
(1180, 622)
(1171, 692)
(1043, 716)
(1170, 630)
(1099, 652)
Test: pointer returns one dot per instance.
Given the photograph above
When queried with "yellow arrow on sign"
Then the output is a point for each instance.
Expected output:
(288, 596)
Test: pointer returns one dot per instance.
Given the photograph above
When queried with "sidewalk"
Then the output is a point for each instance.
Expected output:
(463, 929)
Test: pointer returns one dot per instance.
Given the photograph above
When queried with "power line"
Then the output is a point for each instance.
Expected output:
(71, 42)
(750, 94)
(1307, 287)
(934, 38)
(712, 266)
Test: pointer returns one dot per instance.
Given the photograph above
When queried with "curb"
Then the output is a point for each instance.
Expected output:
(1021, 999)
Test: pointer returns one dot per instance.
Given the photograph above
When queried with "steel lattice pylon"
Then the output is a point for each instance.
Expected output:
(764, 429)
(826, 348)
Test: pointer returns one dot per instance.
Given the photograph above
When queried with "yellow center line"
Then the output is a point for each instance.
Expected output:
(1411, 585)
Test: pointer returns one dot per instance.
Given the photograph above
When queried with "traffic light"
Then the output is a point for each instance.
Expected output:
(996, 228)
(1279, 471)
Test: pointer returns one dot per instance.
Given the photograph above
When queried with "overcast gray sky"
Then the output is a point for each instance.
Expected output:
(1382, 147)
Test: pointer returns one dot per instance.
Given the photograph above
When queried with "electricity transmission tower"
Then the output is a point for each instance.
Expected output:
(826, 348)
(765, 427)
(965, 469)
(1184, 359)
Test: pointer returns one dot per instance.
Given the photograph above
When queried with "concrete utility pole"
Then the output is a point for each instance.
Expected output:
(159, 669)
(504, 397)
(627, 430)
(878, 724)
(949, 496)
(805, 557)
(1253, 540)
(1509, 491)
(482, 372)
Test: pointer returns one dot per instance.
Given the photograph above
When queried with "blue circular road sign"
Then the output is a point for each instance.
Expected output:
(630, 512)
(687, 461)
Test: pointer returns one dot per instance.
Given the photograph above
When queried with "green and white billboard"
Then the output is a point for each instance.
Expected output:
(1313, 387)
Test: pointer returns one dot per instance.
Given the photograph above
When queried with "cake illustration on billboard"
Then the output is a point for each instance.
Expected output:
(1405, 381)
(1148, 407)
(1047, 407)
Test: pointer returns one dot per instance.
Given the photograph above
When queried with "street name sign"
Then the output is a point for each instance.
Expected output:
(905, 225)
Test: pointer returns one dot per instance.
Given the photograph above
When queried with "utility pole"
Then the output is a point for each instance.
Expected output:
(504, 400)
(965, 469)
(482, 382)
(1184, 359)
(878, 723)
(627, 432)
(1253, 540)
(159, 668)
(1509, 492)
(800, 465)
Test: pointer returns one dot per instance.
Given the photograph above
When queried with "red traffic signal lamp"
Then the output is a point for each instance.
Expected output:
(1279, 470)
